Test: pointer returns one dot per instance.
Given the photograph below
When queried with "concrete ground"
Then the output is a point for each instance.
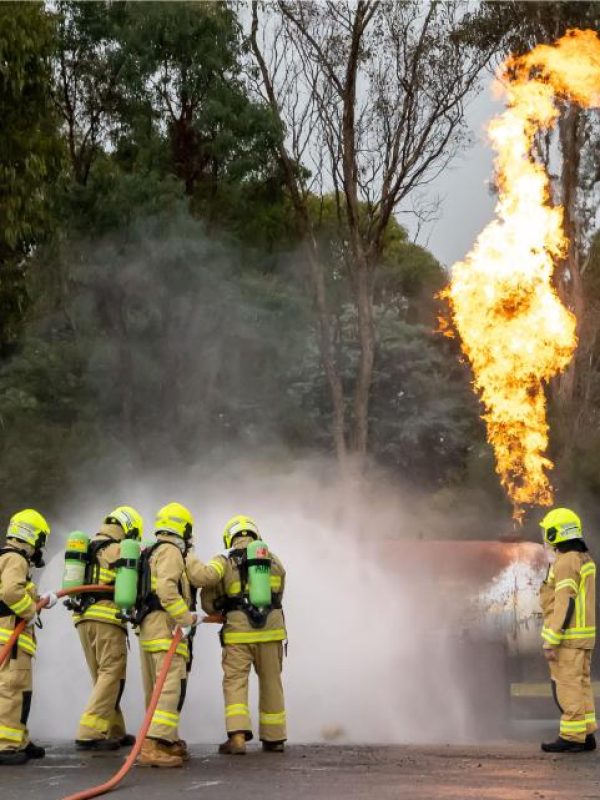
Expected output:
(514, 770)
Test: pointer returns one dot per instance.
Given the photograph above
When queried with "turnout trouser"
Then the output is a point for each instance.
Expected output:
(105, 649)
(15, 700)
(267, 659)
(573, 692)
(165, 721)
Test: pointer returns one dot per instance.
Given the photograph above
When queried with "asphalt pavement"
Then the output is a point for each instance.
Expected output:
(503, 771)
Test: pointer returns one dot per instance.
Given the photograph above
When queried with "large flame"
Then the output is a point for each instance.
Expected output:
(514, 329)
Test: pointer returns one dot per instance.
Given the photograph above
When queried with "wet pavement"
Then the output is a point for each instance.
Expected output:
(506, 771)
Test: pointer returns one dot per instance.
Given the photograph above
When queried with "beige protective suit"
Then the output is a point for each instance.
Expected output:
(104, 640)
(245, 646)
(18, 594)
(568, 600)
(171, 587)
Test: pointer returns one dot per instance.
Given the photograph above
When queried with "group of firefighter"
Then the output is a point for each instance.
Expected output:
(250, 636)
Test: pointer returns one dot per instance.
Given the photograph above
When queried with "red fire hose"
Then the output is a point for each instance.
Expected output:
(20, 626)
(113, 782)
(116, 779)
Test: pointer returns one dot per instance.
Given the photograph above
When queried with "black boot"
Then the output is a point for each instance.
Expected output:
(12, 758)
(127, 741)
(97, 744)
(563, 746)
(34, 751)
(590, 742)
(273, 747)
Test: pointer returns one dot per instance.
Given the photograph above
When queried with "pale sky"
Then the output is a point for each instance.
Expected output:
(467, 204)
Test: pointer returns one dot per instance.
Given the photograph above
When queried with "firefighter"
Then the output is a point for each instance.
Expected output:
(251, 637)
(166, 602)
(103, 636)
(568, 600)
(25, 541)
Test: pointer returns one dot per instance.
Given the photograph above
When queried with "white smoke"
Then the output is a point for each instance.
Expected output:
(375, 655)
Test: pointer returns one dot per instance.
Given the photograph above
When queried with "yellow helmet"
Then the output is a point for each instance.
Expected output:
(561, 525)
(129, 519)
(237, 526)
(175, 519)
(30, 527)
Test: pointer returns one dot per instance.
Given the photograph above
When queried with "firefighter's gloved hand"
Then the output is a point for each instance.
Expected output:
(51, 599)
(187, 629)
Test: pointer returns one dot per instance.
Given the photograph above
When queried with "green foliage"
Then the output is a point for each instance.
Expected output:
(31, 151)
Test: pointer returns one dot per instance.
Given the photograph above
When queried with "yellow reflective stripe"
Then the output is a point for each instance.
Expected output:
(573, 727)
(176, 608)
(102, 613)
(590, 717)
(21, 606)
(234, 588)
(162, 645)
(218, 567)
(549, 636)
(13, 734)
(588, 569)
(276, 582)
(568, 583)
(107, 575)
(237, 710)
(26, 642)
(95, 722)
(272, 719)
(252, 637)
(579, 633)
(165, 718)
(153, 582)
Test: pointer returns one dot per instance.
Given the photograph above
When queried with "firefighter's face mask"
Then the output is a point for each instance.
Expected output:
(37, 559)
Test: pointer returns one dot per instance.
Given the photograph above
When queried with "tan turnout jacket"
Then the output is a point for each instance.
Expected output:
(19, 593)
(105, 610)
(568, 601)
(237, 628)
(171, 585)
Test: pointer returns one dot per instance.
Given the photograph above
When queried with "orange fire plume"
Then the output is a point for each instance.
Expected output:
(513, 327)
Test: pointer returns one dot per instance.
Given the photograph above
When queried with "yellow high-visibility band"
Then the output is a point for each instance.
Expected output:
(218, 567)
(237, 710)
(21, 606)
(26, 642)
(590, 718)
(176, 608)
(254, 637)
(579, 633)
(107, 576)
(568, 583)
(573, 727)
(276, 582)
(549, 636)
(272, 719)
(94, 722)
(588, 569)
(234, 588)
(162, 645)
(12, 734)
(165, 718)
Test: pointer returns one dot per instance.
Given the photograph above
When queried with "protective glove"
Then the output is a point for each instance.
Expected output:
(51, 599)
(187, 629)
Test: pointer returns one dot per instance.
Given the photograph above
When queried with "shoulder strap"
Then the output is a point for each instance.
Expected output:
(4, 551)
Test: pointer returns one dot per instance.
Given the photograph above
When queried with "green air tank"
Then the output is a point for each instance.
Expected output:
(75, 559)
(126, 582)
(259, 574)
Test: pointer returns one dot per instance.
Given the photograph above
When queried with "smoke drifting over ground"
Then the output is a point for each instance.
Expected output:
(373, 653)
